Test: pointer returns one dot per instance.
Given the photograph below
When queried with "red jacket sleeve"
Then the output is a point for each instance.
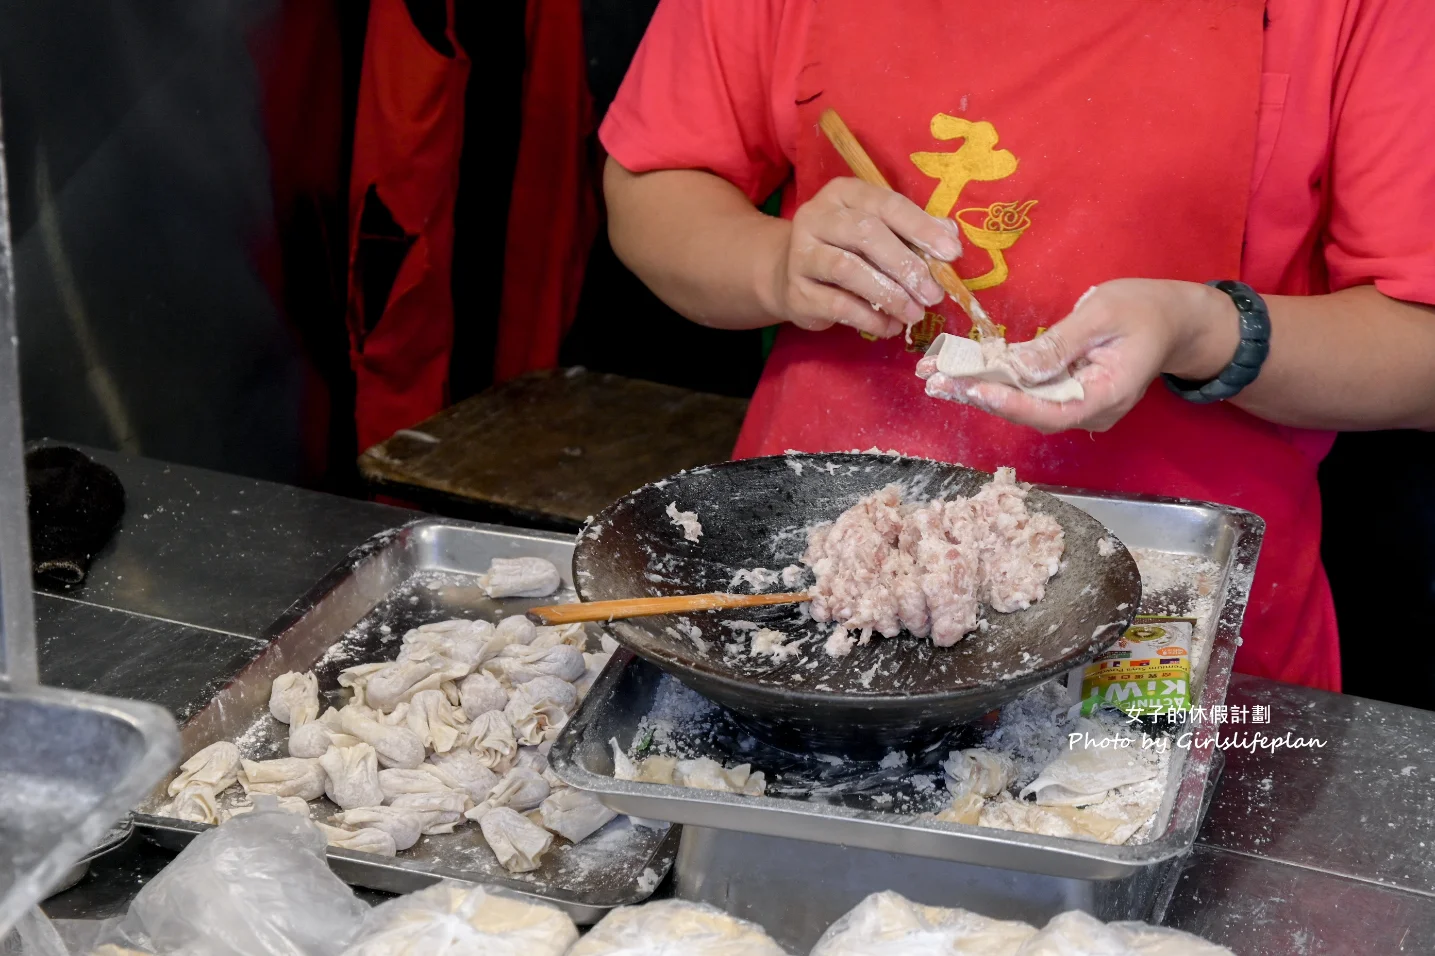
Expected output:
(1382, 176)
(698, 95)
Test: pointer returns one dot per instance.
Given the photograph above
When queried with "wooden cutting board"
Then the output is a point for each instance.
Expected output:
(551, 448)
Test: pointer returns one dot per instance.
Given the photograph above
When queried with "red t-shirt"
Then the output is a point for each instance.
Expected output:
(1343, 186)
(1341, 193)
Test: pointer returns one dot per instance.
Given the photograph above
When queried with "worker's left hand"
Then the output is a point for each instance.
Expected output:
(1117, 339)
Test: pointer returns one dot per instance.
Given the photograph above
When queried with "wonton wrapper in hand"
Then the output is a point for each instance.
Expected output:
(453, 920)
(517, 841)
(675, 928)
(988, 361)
(889, 924)
(216, 767)
(294, 698)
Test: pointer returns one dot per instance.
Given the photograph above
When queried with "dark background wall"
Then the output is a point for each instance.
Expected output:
(140, 190)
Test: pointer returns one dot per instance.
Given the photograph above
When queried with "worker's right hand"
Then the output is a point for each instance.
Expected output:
(847, 261)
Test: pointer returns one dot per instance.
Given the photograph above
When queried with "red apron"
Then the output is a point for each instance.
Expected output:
(553, 215)
(1075, 141)
(408, 136)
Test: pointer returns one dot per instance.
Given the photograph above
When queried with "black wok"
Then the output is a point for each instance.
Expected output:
(895, 693)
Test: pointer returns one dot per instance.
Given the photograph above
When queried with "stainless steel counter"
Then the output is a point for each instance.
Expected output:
(1312, 851)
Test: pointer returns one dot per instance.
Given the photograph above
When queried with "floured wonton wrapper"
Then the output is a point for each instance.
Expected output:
(396, 782)
(352, 776)
(462, 770)
(520, 577)
(704, 773)
(294, 805)
(517, 841)
(989, 361)
(294, 698)
(491, 739)
(670, 927)
(520, 789)
(284, 777)
(973, 775)
(441, 811)
(395, 746)
(517, 663)
(573, 814)
(216, 767)
(481, 693)
(361, 841)
(195, 803)
(399, 681)
(453, 920)
(314, 739)
(539, 708)
(404, 826)
(1084, 775)
(436, 722)
(1114, 820)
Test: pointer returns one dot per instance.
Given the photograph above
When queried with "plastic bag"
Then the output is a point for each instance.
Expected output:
(33, 935)
(258, 885)
(1078, 932)
(675, 928)
(451, 919)
(889, 924)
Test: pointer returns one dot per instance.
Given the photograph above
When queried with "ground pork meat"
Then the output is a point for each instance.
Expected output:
(885, 566)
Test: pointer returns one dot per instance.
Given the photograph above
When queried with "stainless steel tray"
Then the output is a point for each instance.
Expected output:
(1227, 537)
(806, 887)
(422, 572)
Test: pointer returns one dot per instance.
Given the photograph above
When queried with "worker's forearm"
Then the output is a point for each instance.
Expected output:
(1353, 360)
(698, 243)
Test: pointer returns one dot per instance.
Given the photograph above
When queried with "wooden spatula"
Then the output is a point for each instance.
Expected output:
(864, 169)
(643, 607)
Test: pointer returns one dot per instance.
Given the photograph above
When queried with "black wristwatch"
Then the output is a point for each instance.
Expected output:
(1250, 354)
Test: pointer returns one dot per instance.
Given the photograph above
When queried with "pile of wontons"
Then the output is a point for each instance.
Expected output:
(456, 729)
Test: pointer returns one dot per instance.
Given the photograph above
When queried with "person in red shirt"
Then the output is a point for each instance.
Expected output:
(1089, 167)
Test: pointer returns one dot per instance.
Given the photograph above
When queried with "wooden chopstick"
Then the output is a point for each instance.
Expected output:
(643, 607)
(864, 169)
